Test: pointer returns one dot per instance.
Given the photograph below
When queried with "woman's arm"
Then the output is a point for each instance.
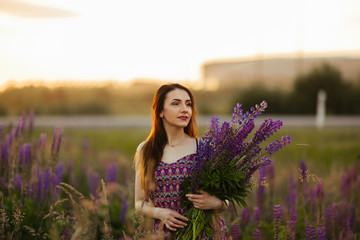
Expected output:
(145, 207)
(205, 201)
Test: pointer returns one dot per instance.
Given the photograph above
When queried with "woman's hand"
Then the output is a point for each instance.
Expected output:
(205, 201)
(170, 218)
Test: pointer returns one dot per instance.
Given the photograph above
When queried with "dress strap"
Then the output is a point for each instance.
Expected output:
(197, 143)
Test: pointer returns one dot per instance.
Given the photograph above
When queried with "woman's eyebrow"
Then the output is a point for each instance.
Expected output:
(176, 99)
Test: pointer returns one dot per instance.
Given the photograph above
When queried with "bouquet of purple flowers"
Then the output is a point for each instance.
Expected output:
(228, 158)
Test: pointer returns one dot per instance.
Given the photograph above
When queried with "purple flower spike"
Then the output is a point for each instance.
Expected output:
(320, 191)
(17, 131)
(277, 219)
(59, 171)
(111, 173)
(275, 146)
(321, 232)
(310, 233)
(47, 182)
(27, 154)
(5, 154)
(55, 146)
(93, 181)
(257, 215)
(258, 234)
(124, 208)
(261, 188)
(22, 155)
(245, 218)
(235, 232)
(18, 182)
(1, 132)
(40, 183)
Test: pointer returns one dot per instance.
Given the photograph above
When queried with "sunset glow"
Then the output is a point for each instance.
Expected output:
(122, 40)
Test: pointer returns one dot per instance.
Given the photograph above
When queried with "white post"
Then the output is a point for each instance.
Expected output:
(320, 109)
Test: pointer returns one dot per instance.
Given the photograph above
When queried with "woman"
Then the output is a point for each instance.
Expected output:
(166, 158)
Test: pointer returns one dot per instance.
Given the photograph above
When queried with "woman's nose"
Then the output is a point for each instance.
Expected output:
(184, 108)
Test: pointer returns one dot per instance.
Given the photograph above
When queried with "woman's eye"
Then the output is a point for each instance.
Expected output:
(175, 103)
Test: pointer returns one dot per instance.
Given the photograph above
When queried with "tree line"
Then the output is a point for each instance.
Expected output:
(343, 97)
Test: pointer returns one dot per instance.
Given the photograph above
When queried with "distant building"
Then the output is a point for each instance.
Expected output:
(275, 72)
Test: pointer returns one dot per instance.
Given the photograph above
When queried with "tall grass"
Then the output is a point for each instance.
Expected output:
(78, 184)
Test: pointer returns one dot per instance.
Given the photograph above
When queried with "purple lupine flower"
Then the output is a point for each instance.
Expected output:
(22, 155)
(27, 154)
(55, 146)
(40, 185)
(93, 181)
(59, 141)
(59, 170)
(257, 215)
(111, 173)
(46, 177)
(303, 172)
(261, 188)
(277, 219)
(346, 234)
(18, 182)
(258, 234)
(17, 131)
(5, 155)
(291, 224)
(124, 208)
(275, 146)
(245, 218)
(235, 232)
(55, 182)
(1, 133)
(9, 139)
(321, 233)
(267, 128)
(310, 232)
(290, 230)
(66, 233)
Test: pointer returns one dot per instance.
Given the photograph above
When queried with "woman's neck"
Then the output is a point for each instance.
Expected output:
(175, 136)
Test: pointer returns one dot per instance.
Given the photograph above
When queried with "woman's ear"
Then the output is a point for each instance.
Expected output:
(161, 115)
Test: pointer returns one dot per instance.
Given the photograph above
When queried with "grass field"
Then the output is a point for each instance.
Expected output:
(88, 155)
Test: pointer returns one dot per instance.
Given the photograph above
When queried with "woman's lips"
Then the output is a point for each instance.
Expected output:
(183, 118)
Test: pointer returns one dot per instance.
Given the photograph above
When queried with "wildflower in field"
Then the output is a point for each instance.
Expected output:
(55, 146)
(258, 234)
(260, 196)
(245, 218)
(257, 215)
(111, 173)
(321, 232)
(235, 232)
(276, 219)
(124, 208)
(310, 232)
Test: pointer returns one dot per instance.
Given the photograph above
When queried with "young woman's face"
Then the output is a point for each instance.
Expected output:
(177, 109)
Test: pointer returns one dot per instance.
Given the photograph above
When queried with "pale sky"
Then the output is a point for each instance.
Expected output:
(121, 40)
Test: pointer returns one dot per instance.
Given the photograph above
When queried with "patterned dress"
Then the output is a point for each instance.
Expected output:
(167, 194)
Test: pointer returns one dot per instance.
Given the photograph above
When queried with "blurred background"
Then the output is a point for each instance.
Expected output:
(90, 69)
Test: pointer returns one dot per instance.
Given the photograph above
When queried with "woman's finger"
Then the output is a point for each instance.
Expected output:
(179, 216)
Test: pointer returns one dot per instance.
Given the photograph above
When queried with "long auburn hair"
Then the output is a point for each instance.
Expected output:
(152, 150)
